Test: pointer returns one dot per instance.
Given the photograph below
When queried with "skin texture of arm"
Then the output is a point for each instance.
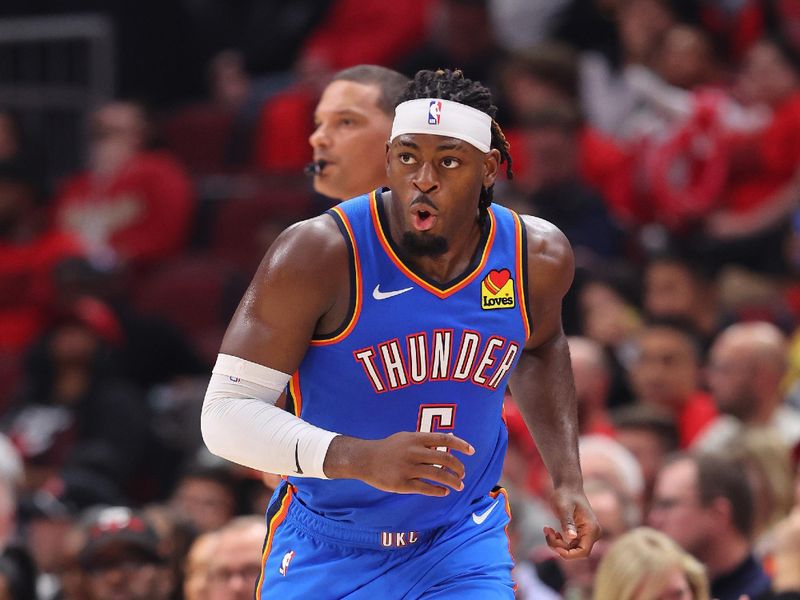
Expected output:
(543, 387)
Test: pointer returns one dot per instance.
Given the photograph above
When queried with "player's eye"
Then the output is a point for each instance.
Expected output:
(346, 122)
(450, 163)
(406, 159)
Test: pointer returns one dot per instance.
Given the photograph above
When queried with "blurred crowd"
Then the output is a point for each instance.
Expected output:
(661, 136)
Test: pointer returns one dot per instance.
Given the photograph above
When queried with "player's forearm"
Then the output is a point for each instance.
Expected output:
(241, 423)
(544, 391)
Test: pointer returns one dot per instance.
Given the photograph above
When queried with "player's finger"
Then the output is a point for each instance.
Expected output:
(554, 539)
(579, 551)
(438, 475)
(567, 518)
(417, 486)
(434, 440)
(444, 459)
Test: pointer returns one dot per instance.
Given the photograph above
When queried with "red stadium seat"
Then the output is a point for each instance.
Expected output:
(244, 228)
(197, 294)
(199, 136)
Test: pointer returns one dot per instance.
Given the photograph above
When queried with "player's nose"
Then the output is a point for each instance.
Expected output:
(425, 179)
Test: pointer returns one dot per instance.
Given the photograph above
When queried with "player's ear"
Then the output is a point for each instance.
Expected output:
(491, 165)
(388, 147)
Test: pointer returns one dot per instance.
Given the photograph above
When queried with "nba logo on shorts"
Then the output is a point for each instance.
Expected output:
(434, 112)
(287, 558)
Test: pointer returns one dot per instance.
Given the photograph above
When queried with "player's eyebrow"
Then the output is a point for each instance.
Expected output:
(450, 144)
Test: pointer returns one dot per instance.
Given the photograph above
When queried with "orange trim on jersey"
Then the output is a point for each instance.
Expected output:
(501, 490)
(357, 280)
(387, 247)
(522, 293)
(294, 390)
(271, 527)
(494, 494)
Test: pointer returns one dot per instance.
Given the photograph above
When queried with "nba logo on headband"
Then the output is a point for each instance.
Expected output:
(434, 112)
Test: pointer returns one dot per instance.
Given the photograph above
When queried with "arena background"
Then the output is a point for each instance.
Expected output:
(661, 136)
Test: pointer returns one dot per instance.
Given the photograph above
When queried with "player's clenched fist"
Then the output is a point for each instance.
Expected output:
(406, 462)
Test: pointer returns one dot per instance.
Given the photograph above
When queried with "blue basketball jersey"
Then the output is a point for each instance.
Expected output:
(416, 355)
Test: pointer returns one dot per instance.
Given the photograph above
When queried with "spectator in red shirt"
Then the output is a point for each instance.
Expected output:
(736, 26)
(356, 31)
(131, 206)
(765, 179)
(28, 254)
(561, 192)
(545, 78)
(353, 32)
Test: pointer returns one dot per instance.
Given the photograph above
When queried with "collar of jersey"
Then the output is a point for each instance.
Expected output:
(442, 290)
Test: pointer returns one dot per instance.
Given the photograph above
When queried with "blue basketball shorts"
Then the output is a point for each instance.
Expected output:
(309, 556)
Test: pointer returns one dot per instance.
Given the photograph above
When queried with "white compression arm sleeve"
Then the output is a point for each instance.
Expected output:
(241, 423)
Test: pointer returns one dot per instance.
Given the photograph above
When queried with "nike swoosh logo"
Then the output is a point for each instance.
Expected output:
(481, 518)
(379, 295)
(299, 471)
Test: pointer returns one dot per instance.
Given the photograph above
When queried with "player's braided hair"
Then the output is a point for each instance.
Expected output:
(452, 85)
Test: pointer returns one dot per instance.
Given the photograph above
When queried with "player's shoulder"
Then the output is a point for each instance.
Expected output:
(319, 234)
(551, 263)
(314, 246)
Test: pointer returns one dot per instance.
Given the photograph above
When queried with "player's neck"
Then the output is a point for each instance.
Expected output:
(444, 267)
(455, 261)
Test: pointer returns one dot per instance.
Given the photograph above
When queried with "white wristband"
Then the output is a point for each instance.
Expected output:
(241, 423)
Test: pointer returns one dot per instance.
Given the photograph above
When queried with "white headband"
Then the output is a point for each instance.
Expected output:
(443, 117)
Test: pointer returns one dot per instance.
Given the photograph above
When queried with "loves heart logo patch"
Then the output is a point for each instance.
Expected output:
(495, 280)
(497, 290)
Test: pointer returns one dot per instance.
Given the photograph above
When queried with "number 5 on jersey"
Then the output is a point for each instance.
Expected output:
(436, 417)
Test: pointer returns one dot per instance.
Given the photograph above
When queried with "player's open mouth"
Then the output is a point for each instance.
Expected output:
(423, 220)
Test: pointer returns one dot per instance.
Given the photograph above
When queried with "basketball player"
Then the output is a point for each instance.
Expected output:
(353, 121)
(396, 320)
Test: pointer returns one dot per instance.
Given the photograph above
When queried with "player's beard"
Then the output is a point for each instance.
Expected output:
(416, 244)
